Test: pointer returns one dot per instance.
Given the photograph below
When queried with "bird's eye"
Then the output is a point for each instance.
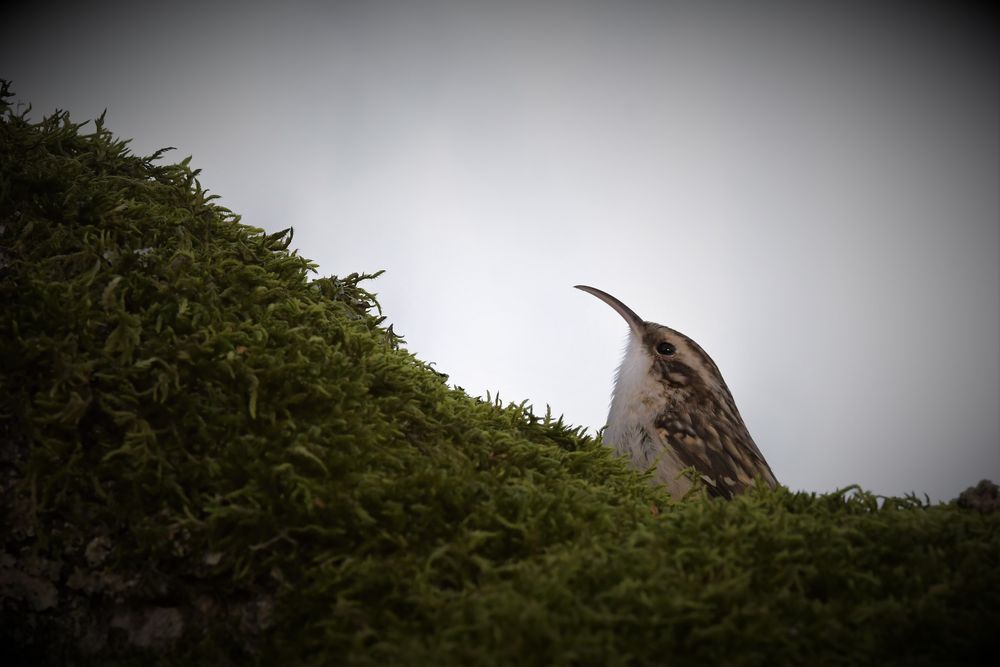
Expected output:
(665, 348)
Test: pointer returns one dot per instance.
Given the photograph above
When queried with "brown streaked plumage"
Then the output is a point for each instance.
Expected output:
(671, 409)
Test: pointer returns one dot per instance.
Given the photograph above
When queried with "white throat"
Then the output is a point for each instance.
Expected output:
(633, 404)
(631, 431)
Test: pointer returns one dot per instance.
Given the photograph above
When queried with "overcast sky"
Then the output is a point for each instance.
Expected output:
(810, 191)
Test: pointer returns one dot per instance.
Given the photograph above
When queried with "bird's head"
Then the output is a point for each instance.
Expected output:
(668, 355)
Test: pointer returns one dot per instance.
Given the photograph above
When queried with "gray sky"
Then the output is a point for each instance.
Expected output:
(810, 191)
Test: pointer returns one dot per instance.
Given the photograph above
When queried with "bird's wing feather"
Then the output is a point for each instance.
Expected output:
(728, 459)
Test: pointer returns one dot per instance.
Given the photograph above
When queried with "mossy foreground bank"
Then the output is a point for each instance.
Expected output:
(208, 458)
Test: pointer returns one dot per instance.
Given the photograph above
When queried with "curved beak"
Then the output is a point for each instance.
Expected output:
(635, 322)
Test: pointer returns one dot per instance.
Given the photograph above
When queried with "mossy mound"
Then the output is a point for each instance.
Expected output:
(207, 458)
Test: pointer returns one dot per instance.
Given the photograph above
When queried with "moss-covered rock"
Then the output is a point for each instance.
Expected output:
(207, 457)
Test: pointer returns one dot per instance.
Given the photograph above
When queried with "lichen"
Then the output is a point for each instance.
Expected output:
(209, 455)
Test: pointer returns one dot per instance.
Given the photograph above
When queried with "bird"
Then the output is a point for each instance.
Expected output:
(671, 410)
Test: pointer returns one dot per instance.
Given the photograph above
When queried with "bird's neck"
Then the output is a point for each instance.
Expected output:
(635, 402)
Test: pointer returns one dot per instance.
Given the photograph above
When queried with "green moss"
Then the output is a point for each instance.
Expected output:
(209, 457)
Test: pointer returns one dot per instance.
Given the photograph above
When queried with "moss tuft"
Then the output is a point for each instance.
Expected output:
(208, 457)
